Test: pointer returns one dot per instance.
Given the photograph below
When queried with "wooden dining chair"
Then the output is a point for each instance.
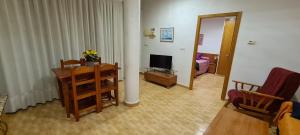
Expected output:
(84, 93)
(109, 94)
(99, 60)
(63, 64)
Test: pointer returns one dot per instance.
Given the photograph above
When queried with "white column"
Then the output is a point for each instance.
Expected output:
(132, 50)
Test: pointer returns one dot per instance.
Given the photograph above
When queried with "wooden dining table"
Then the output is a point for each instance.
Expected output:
(64, 79)
(231, 122)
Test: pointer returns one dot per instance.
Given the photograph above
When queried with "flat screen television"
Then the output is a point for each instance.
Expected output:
(160, 61)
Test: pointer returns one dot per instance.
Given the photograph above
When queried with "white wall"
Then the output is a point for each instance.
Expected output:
(212, 28)
(273, 24)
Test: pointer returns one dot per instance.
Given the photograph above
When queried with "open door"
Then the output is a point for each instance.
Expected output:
(231, 29)
(225, 52)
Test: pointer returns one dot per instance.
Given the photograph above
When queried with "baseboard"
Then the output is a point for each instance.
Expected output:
(219, 75)
(182, 86)
(132, 104)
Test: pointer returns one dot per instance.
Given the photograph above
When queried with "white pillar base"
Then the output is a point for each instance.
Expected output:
(131, 104)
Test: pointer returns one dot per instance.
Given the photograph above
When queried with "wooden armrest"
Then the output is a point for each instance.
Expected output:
(262, 105)
(262, 95)
(245, 83)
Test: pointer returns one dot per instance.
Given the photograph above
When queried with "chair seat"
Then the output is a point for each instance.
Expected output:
(236, 97)
(84, 105)
(84, 92)
(107, 86)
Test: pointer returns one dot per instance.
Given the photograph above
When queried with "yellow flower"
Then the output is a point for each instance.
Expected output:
(93, 52)
(88, 52)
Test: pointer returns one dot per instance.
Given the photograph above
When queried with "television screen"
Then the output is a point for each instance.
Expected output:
(161, 61)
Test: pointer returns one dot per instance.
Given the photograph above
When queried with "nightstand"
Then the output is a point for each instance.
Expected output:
(212, 68)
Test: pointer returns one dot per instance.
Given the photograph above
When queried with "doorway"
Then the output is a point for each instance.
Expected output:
(223, 65)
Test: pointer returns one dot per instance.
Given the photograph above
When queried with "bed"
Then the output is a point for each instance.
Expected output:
(203, 61)
(202, 64)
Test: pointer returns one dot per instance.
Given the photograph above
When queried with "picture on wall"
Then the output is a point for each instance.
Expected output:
(201, 36)
(167, 34)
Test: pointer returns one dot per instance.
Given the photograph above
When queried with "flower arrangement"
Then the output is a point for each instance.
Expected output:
(90, 55)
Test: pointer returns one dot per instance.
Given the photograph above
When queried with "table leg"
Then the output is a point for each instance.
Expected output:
(65, 89)
(60, 92)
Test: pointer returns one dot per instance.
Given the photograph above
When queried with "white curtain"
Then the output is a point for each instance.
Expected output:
(36, 34)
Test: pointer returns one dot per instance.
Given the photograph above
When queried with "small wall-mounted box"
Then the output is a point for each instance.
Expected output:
(149, 32)
(251, 42)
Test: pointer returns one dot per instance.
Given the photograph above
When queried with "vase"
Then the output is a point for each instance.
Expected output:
(89, 63)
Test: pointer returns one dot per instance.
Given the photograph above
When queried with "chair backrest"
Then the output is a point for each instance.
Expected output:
(282, 83)
(71, 62)
(83, 75)
(108, 71)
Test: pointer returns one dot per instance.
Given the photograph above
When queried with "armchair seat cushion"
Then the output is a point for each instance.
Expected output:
(235, 97)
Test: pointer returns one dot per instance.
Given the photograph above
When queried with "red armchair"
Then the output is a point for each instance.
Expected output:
(280, 85)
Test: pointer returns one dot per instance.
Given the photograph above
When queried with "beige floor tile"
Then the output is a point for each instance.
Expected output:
(174, 111)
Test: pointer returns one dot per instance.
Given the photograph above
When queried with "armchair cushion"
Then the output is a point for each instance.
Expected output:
(281, 82)
(235, 97)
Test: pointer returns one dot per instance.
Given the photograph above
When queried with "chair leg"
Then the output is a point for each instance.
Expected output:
(116, 94)
(98, 107)
(99, 100)
(268, 119)
(109, 95)
(76, 111)
(227, 103)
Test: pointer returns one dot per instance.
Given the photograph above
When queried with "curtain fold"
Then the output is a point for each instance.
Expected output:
(36, 34)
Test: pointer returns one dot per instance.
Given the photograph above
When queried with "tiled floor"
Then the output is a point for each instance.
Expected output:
(174, 111)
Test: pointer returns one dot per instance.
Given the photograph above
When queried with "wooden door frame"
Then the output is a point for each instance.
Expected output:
(238, 16)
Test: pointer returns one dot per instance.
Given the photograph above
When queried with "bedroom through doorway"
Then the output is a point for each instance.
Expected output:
(214, 48)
